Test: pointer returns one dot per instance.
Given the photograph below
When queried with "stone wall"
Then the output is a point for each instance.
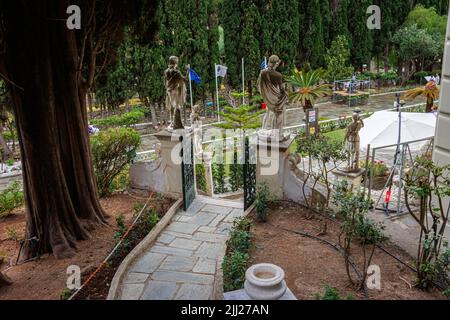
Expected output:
(442, 138)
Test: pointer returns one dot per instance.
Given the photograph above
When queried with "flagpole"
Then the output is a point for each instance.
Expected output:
(190, 89)
(243, 82)
(217, 93)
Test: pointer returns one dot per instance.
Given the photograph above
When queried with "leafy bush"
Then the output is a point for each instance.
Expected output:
(331, 294)
(200, 175)
(112, 151)
(240, 240)
(379, 168)
(262, 200)
(218, 172)
(11, 198)
(235, 262)
(126, 119)
(234, 267)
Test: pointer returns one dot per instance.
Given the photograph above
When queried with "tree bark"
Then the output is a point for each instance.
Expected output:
(4, 280)
(386, 58)
(49, 105)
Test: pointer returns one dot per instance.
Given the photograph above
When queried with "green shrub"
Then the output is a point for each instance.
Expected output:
(235, 262)
(234, 266)
(240, 240)
(331, 294)
(126, 119)
(112, 151)
(11, 198)
(262, 201)
(200, 175)
(66, 294)
(151, 219)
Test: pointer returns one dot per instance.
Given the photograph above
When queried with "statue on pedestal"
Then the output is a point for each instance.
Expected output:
(352, 141)
(175, 84)
(271, 87)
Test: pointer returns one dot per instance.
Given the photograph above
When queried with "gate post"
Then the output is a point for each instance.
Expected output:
(171, 162)
(272, 165)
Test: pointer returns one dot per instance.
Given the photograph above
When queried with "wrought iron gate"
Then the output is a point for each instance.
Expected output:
(249, 175)
(187, 171)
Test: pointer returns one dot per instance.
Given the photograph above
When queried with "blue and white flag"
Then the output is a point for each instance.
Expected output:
(221, 71)
(263, 64)
(194, 76)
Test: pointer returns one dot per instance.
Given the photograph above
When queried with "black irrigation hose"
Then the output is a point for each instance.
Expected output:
(335, 246)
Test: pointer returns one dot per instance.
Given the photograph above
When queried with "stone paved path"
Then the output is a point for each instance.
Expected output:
(183, 262)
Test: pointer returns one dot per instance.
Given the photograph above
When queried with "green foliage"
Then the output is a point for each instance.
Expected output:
(121, 227)
(66, 294)
(352, 207)
(379, 168)
(234, 266)
(427, 19)
(417, 47)
(112, 151)
(125, 119)
(331, 294)
(241, 118)
(235, 261)
(151, 219)
(11, 198)
(236, 170)
(338, 60)
(10, 162)
(262, 200)
(429, 184)
(218, 173)
(240, 240)
(200, 173)
(308, 87)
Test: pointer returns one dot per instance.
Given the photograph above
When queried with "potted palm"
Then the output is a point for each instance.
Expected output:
(308, 87)
(430, 91)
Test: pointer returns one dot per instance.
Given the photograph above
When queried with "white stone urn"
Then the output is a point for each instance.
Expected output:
(265, 281)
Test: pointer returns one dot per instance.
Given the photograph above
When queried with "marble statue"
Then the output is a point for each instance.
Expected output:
(352, 141)
(175, 84)
(270, 85)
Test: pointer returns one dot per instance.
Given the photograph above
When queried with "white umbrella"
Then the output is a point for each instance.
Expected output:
(381, 130)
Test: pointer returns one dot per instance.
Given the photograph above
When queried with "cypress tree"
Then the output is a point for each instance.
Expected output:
(362, 38)
(312, 48)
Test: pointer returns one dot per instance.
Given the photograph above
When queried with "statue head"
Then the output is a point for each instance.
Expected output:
(356, 113)
(274, 61)
(173, 61)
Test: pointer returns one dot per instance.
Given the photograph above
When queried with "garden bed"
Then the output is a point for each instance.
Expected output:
(310, 265)
(45, 279)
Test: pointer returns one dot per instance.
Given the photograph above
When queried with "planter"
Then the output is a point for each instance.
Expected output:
(265, 282)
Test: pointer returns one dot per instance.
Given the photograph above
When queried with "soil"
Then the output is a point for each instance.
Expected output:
(45, 279)
(310, 264)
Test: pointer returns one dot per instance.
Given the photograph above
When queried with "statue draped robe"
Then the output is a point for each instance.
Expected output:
(270, 85)
(175, 95)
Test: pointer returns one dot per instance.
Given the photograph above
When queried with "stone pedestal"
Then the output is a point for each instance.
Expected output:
(271, 164)
(354, 179)
(171, 160)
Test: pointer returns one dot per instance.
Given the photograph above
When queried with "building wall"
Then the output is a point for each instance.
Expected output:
(442, 137)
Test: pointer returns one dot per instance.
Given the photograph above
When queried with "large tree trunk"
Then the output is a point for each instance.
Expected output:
(386, 58)
(49, 105)
(4, 280)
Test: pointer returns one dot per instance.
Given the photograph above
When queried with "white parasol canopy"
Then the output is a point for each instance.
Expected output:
(381, 130)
